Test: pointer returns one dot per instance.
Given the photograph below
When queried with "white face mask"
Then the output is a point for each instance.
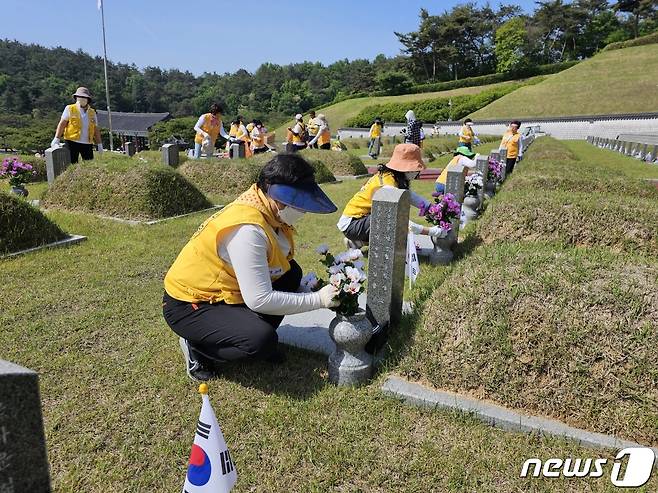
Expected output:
(83, 101)
(290, 215)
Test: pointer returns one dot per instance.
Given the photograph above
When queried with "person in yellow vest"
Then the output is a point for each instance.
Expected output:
(312, 129)
(375, 136)
(463, 156)
(238, 134)
(512, 142)
(467, 136)
(79, 127)
(405, 165)
(207, 128)
(297, 135)
(232, 283)
(258, 137)
(322, 137)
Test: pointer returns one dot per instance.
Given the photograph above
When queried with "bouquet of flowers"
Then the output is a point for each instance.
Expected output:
(472, 184)
(346, 273)
(443, 211)
(495, 170)
(17, 172)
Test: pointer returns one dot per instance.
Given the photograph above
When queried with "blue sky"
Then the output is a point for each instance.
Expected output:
(220, 36)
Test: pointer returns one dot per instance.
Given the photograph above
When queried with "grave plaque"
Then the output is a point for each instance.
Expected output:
(57, 160)
(129, 149)
(170, 154)
(237, 151)
(482, 166)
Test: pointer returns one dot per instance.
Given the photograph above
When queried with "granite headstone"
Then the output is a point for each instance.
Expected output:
(57, 160)
(170, 155)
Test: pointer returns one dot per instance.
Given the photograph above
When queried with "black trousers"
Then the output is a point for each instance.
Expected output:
(222, 333)
(326, 146)
(77, 149)
(359, 229)
(509, 165)
(259, 150)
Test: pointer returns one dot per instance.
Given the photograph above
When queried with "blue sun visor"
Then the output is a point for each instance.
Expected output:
(307, 197)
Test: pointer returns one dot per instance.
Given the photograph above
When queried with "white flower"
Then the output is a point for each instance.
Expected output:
(335, 269)
(354, 254)
(341, 258)
(352, 288)
(322, 249)
(337, 279)
(354, 275)
(309, 282)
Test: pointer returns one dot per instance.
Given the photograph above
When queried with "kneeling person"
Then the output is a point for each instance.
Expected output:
(231, 285)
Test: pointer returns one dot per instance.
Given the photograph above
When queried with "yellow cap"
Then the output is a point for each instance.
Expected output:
(203, 388)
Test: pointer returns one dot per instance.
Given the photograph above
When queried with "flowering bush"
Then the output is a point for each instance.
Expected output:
(443, 211)
(346, 273)
(472, 184)
(495, 170)
(17, 172)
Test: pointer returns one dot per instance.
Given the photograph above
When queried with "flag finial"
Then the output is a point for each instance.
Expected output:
(203, 388)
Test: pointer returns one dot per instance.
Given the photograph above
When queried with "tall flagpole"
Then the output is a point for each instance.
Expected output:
(107, 85)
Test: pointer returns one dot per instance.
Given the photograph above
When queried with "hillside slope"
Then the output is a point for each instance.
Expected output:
(619, 81)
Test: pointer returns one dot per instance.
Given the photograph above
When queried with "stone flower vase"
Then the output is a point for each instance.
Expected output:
(442, 252)
(19, 190)
(470, 208)
(349, 364)
(490, 189)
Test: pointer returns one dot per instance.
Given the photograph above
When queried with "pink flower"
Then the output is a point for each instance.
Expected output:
(337, 279)
(352, 288)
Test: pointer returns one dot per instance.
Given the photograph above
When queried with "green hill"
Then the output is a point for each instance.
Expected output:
(618, 81)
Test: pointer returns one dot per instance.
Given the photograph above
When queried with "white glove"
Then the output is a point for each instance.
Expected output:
(437, 232)
(328, 295)
(56, 142)
(415, 228)
(100, 147)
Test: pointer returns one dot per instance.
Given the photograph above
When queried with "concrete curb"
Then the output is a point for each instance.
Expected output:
(498, 416)
(136, 222)
(71, 240)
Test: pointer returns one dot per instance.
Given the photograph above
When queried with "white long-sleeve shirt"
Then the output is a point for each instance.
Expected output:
(322, 128)
(245, 248)
(198, 128)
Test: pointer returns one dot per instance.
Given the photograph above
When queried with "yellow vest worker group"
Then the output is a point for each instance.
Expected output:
(208, 127)
(361, 203)
(73, 130)
(510, 142)
(199, 273)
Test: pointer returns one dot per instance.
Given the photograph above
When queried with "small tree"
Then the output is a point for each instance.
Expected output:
(511, 40)
(393, 82)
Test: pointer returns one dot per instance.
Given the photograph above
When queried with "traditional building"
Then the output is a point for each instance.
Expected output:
(132, 127)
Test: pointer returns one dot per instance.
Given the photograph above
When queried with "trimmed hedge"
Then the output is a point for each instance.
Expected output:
(24, 226)
(641, 41)
(125, 188)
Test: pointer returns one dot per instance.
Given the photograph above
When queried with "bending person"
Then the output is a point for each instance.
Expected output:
(207, 128)
(463, 156)
(322, 137)
(229, 288)
(405, 165)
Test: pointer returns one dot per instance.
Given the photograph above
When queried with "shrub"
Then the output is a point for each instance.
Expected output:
(641, 41)
(125, 188)
(23, 226)
(183, 127)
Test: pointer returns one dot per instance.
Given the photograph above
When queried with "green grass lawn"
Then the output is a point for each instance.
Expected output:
(618, 81)
(120, 413)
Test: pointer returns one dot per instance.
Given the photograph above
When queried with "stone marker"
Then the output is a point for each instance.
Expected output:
(442, 253)
(57, 160)
(129, 149)
(643, 151)
(389, 226)
(23, 459)
(503, 162)
(653, 154)
(376, 147)
(482, 165)
(170, 154)
(627, 148)
(237, 151)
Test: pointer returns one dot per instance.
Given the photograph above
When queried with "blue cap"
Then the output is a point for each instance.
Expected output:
(307, 197)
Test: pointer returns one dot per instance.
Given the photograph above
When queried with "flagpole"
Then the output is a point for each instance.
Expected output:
(107, 85)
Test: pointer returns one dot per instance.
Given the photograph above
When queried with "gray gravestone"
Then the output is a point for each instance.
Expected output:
(643, 151)
(482, 165)
(129, 148)
(496, 155)
(57, 160)
(589, 139)
(442, 253)
(23, 459)
(389, 225)
(237, 151)
(654, 153)
(627, 148)
(170, 154)
(376, 146)
(503, 162)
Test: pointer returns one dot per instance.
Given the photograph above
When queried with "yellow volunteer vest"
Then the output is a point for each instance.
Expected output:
(297, 139)
(313, 127)
(233, 131)
(375, 131)
(443, 177)
(361, 203)
(259, 141)
(466, 135)
(208, 127)
(73, 129)
(325, 137)
(511, 143)
(199, 274)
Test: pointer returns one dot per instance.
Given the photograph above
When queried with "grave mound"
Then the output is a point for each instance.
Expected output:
(125, 188)
(575, 219)
(564, 333)
(338, 163)
(553, 179)
(23, 226)
(227, 178)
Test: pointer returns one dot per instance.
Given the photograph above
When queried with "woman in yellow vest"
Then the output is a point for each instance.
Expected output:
(322, 137)
(238, 134)
(405, 165)
(79, 127)
(375, 136)
(313, 127)
(512, 142)
(463, 156)
(230, 286)
(207, 128)
(467, 135)
(297, 135)
(258, 137)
